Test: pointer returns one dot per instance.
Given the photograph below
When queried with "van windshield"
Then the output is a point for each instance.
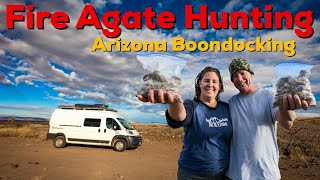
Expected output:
(125, 124)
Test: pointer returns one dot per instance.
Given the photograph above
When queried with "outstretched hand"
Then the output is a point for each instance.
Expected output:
(293, 102)
(156, 96)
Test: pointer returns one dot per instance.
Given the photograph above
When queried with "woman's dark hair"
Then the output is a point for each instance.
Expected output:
(200, 77)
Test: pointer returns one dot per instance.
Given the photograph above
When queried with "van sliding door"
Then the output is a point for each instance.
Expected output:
(89, 132)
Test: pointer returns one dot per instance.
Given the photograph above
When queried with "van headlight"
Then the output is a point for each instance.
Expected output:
(128, 131)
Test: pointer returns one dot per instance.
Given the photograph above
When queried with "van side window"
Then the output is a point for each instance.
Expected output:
(109, 123)
(91, 122)
(116, 124)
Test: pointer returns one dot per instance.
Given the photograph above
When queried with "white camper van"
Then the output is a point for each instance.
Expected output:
(91, 125)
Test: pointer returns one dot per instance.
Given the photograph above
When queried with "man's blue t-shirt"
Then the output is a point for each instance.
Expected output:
(207, 138)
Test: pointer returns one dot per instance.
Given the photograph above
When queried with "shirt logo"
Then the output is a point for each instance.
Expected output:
(215, 122)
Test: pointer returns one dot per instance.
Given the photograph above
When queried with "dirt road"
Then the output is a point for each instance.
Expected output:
(28, 159)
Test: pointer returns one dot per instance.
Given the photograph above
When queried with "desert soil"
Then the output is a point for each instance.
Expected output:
(28, 158)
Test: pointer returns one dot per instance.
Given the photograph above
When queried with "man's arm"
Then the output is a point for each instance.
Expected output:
(285, 116)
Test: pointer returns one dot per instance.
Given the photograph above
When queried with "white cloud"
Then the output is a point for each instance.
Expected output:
(60, 99)
(23, 107)
(102, 3)
(161, 113)
(193, 34)
(231, 6)
(93, 95)
(45, 113)
(99, 3)
(60, 72)
(29, 82)
(296, 5)
(11, 75)
(68, 92)
(22, 79)
(4, 79)
(115, 1)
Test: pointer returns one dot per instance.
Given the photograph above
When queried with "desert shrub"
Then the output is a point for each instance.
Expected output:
(11, 121)
(38, 131)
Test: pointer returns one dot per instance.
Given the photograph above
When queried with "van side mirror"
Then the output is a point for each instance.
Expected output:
(116, 128)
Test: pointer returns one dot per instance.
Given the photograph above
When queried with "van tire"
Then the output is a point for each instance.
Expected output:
(59, 142)
(120, 145)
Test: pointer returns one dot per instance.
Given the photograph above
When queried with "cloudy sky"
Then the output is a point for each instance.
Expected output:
(41, 69)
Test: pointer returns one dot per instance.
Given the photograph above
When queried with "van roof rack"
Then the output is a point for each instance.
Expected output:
(100, 107)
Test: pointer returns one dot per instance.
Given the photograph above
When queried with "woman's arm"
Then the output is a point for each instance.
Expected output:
(176, 109)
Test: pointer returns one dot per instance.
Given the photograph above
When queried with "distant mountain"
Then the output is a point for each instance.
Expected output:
(23, 118)
(313, 111)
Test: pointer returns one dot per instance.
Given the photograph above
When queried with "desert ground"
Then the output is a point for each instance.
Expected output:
(25, 154)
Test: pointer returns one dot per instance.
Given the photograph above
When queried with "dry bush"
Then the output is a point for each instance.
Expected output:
(159, 132)
(25, 130)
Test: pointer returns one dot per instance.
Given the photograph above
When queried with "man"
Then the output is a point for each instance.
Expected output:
(254, 150)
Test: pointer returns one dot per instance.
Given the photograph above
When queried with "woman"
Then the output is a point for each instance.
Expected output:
(207, 127)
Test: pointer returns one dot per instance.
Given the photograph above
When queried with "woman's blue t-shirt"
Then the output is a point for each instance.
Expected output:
(207, 138)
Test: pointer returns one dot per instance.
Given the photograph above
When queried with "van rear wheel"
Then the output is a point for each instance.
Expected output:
(59, 142)
(120, 145)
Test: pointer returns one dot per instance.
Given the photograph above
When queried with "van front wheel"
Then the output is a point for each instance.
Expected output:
(59, 142)
(120, 145)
